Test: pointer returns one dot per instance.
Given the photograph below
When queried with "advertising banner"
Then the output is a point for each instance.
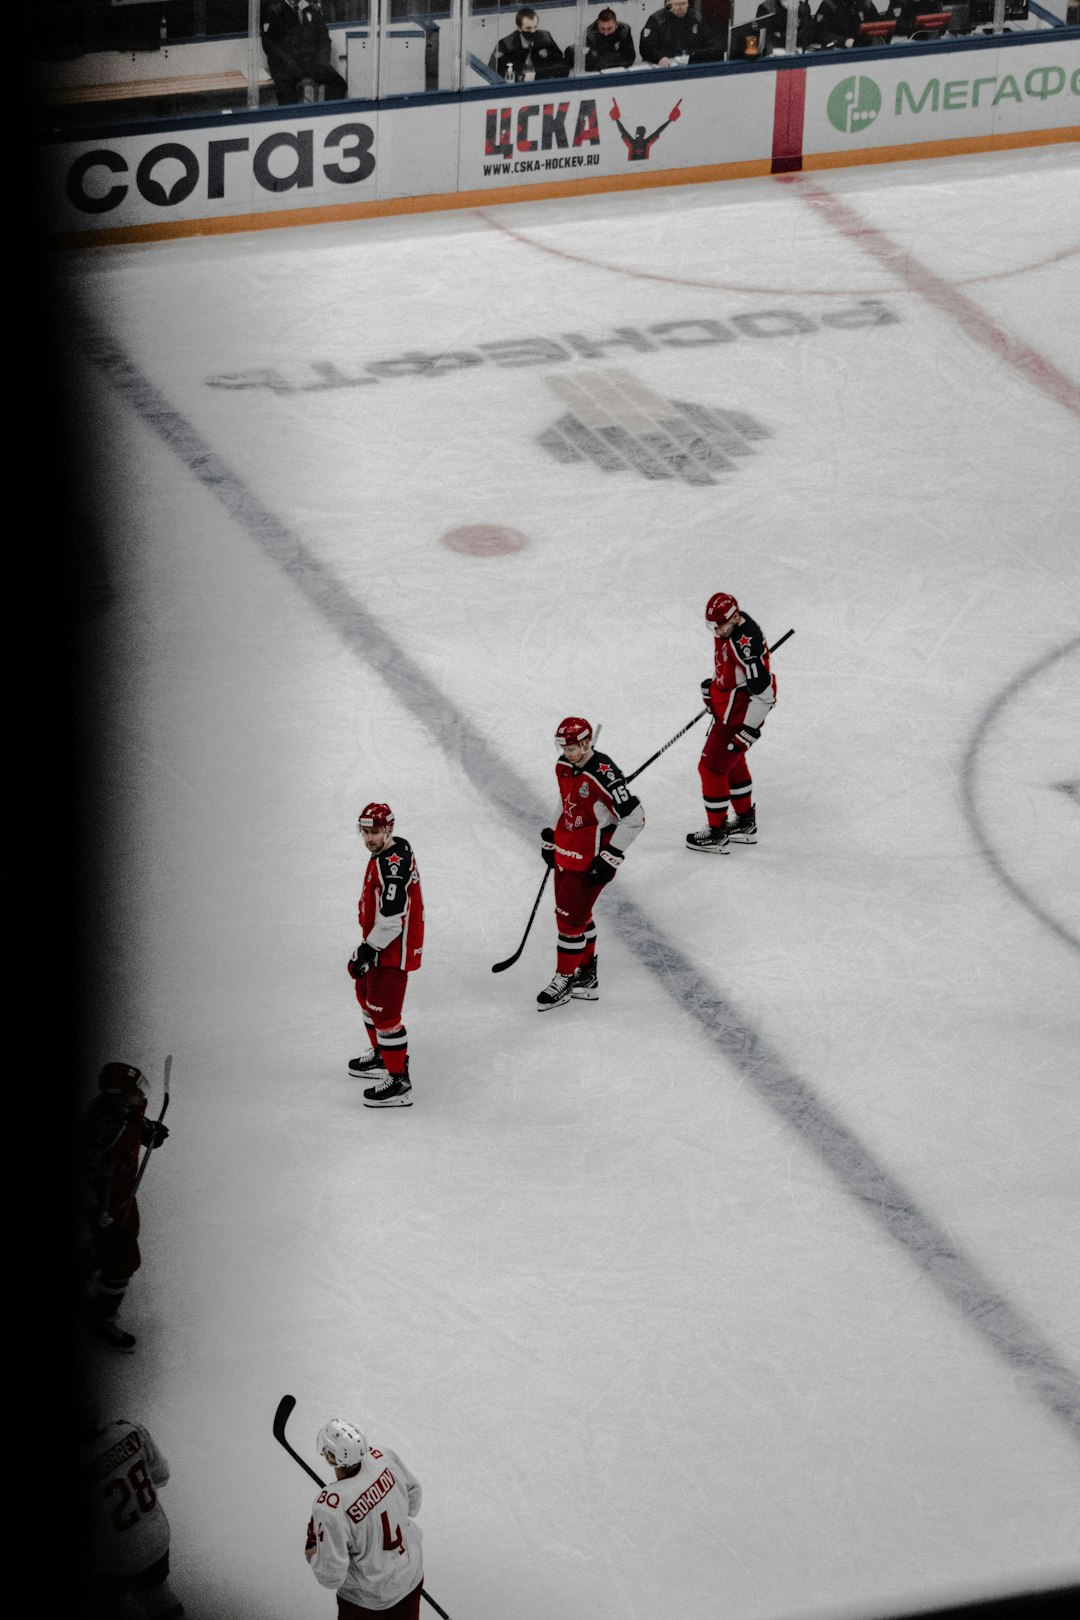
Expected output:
(159, 177)
(348, 159)
(617, 125)
(945, 96)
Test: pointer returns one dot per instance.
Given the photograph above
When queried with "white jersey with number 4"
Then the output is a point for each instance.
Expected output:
(366, 1545)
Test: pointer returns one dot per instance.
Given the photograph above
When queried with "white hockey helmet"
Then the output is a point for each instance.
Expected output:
(342, 1444)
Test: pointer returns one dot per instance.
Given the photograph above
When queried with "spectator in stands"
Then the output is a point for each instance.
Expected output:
(608, 44)
(298, 51)
(836, 22)
(675, 35)
(529, 52)
(776, 31)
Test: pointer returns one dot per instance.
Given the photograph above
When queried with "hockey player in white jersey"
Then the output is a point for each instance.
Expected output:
(361, 1539)
(122, 1471)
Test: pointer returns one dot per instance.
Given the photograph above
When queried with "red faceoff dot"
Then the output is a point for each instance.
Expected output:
(484, 540)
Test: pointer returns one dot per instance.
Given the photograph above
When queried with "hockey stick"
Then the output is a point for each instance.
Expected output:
(146, 1156)
(281, 1417)
(693, 722)
(500, 967)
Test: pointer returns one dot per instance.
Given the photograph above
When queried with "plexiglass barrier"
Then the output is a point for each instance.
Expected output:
(101, 62)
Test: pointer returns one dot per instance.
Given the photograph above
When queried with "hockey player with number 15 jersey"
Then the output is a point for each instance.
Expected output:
(599, 821)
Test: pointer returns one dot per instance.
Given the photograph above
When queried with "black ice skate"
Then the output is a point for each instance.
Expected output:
(392, 1091)
(110, 1333)
(370, 1066)
(584, 985)
(557, 993)
(743, 830)
(713, 840)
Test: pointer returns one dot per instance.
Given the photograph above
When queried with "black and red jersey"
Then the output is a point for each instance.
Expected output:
(595, 801)
(392, 907)
(742, 664)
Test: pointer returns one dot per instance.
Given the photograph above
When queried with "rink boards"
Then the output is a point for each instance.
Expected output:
(602, 133)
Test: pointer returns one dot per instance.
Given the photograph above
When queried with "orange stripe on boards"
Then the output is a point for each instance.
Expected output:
(118, 235)
(934, 149)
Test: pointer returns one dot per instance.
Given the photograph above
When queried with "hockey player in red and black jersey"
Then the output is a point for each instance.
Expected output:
(598, 821)
(739, 696)
(114, 1132)
(392, 925)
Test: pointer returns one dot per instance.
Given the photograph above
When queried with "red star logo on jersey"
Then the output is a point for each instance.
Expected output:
(393, 861)
(603, 770)
(744, 643)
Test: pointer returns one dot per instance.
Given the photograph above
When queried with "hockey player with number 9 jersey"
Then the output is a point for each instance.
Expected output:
(362, 1541)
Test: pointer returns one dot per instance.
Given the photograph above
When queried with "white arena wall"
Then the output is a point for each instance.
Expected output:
(348, 159)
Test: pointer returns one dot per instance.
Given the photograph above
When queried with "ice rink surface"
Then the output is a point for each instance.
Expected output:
(748, 1291)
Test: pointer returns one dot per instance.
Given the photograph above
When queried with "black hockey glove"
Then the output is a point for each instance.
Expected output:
(604, 866)
(706, 693)
(547, 845)
(361, 959)
(154, 1133)
(747, 735)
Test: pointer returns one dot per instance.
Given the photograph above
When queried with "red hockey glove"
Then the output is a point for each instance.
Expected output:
(604, 866)
(547, 845)
(745, 737)
(311, 1542)
(361, 959)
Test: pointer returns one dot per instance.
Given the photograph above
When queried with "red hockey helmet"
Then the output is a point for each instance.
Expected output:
(573, 730)
(720, 608)
(122, 1077)
(375, 815)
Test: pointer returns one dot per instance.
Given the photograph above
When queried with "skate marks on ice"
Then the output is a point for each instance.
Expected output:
(937, 291)
(790, 289)
(1010, 864)
(731, 1035)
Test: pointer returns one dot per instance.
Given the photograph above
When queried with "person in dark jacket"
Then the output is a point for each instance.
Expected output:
(776, 32)
(837, 22)
(296, 41)
(677, 31)
(608, 44)
(529, 52)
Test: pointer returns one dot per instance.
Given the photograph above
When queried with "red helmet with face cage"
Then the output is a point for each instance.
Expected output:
(574, 730)
(720, 608)
(123, 1080)
(375, 815)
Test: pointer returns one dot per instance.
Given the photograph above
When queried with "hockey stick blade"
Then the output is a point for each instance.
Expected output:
(281, 1418)
(500, 967)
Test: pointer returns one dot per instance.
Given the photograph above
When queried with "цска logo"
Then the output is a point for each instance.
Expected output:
(854, 104)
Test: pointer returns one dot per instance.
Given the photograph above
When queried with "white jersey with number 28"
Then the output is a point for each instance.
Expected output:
(123, 1469)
